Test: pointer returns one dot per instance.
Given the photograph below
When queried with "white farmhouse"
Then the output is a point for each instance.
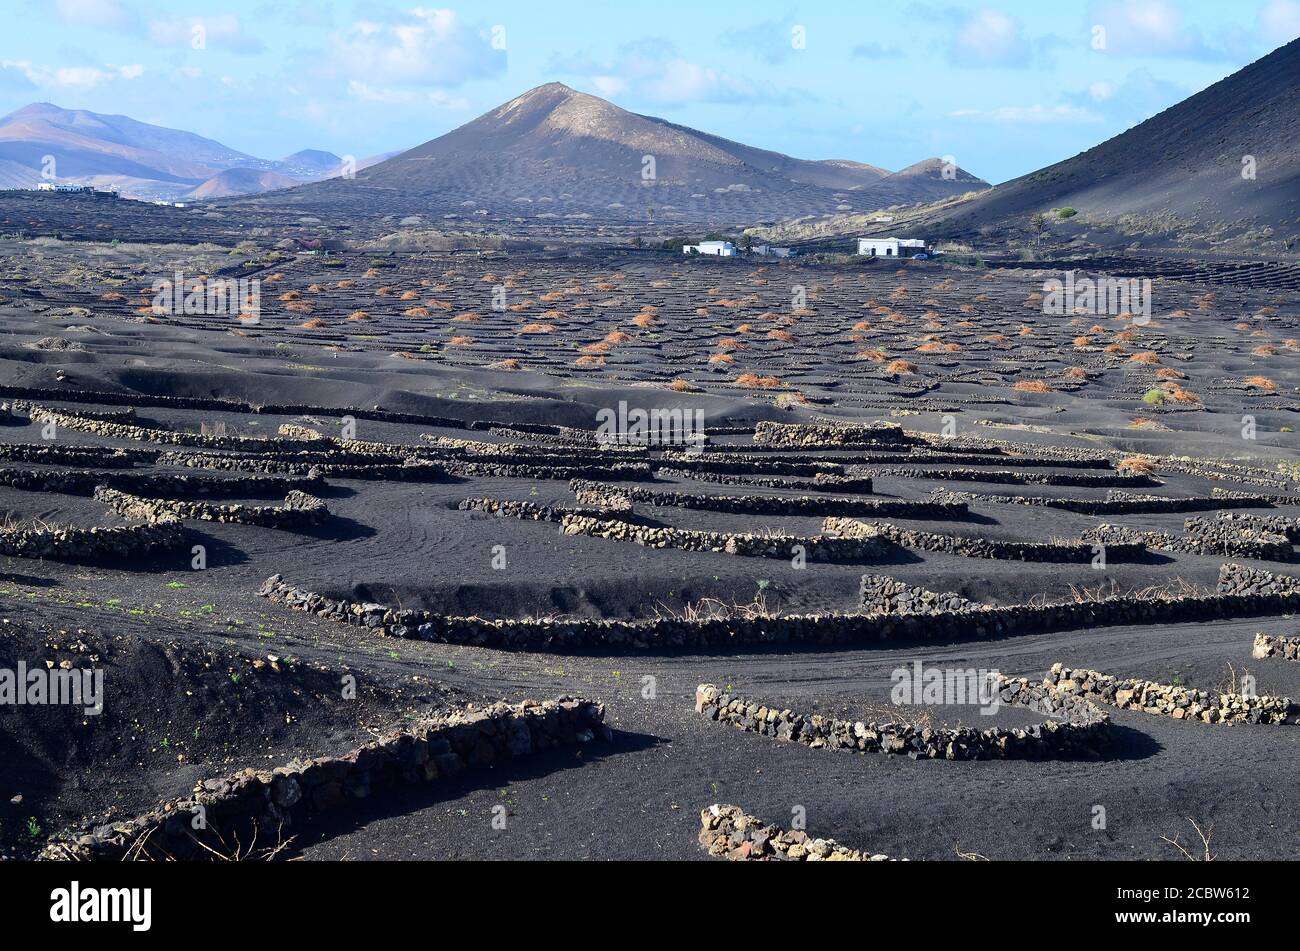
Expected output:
(722, 249)
(890, 247)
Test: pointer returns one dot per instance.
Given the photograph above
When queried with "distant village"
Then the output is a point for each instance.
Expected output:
(914, 248)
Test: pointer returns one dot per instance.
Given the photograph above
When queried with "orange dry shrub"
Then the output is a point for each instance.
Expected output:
(783, 335)
(371, 272)
(875, 356)
(967, 308)
(552, 295)
(731, 343)
(605, 286)
(112, 295)
(416, 312)
(1179, 313)
(769, 315)
(314, 288)
(1180, 395)
(754, 381)
(1025, 332)
(409, 295)
(383, 291)
(952, 347)
(1264, 350)
(643, 320)
(1291, 343)
(1147, 357)
(345, 284)
(862, 325)
(537, 328)
(1033, 300)
(900, 367)
(1126, 335)
(359, 315)
(1082, 341)
(1077, 373)
(681, 386)
(1113, 348)
(1136, 465)
(522, 305)
(269, 279)
(440, 304)
(1032, 386)
(314, 324)
(1263, 382)
(996, 338)
(466, 318)
(722, 358)
(898, 293)
(510, 363)
(461, 340)
(1169, 373)
(617, 336)
(590, 360)
(804, 312)
(291, 295)
(932, 346)
(599, 347)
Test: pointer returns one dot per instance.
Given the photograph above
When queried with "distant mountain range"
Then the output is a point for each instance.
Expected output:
(142, 160)
(554, 153)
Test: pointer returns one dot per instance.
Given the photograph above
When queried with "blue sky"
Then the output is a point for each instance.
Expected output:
(1004, 88)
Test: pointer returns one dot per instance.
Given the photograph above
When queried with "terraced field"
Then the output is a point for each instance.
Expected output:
(309, 541)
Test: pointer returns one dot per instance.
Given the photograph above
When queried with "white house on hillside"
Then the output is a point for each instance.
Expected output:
(722, 249)
(890, 247)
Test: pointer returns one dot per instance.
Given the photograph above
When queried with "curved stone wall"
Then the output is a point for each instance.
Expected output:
(1082, 732)
(300, 510)
(1170, 699)
(287, 796)
(1080, 553)
(729, 832)
(1271, 645)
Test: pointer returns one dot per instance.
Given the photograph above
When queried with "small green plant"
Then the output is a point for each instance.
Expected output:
(1154, 397)
(175, 585)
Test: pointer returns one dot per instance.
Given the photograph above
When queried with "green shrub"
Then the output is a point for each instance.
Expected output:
(1155, 397)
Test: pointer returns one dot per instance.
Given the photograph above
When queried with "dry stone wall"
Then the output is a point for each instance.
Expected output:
(300, 510)
(274, 800)
(729, 832)
(786, 505)
(1080, 553)
(1170, 699)
(94, 545)
(1082, 730)
(1270, 645)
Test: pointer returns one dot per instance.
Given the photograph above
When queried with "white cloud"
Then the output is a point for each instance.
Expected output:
(103, 14)
(71, 77)
(405, 96)
(990, 38)
(1035, 114)
(652, 71)
(1150, 28)
(1279, 22)
(216, 32)
(422, 46)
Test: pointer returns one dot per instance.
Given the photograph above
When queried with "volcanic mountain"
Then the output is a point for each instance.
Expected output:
(1227, 156)
(557, 153)
(142, 160)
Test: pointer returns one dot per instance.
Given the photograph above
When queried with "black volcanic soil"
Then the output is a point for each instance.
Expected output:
(176, 635)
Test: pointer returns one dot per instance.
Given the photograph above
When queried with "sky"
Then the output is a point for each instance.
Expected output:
(1001, 88)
